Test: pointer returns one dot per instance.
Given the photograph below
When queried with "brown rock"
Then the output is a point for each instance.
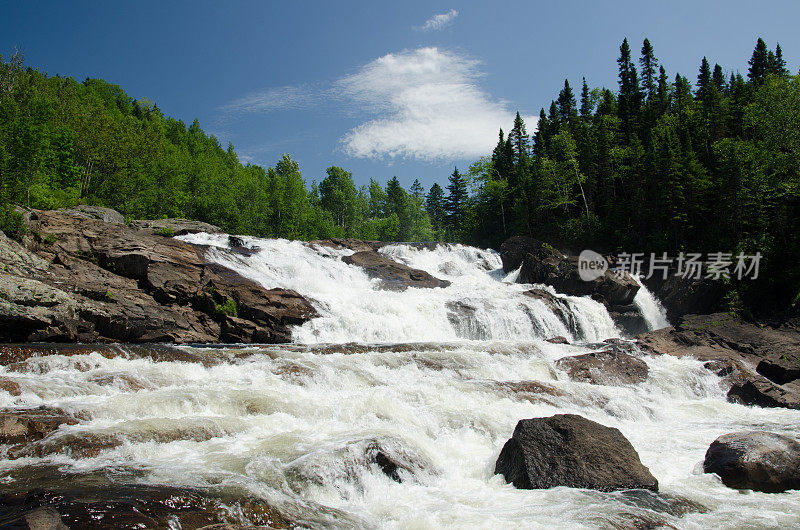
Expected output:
(177, 227)
(732, 346)
(393, 275)
(340, 243)
(91, 501)
(542, 263)
(27, 425)
(100, 281)
(12, 387)
(569, 450)
(756, 460)
(605, 368)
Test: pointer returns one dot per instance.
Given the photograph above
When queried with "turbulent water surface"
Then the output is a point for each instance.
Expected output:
(425, 384)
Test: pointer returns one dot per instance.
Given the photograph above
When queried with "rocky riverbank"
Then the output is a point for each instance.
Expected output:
(81, 275)
(758, 361)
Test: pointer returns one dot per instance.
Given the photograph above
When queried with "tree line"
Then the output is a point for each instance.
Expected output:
(661, 164)
(63, 142)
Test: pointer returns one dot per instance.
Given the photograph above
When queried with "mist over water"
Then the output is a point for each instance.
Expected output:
(299, 424)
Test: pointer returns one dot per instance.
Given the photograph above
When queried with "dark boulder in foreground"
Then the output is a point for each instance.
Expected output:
(606, 367)
(569, 450)
(541, 263)
(394, 276)
(755, 460)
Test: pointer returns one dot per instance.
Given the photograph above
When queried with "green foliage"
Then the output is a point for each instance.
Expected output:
(64, 143)
(12, 223)
(664, 167)
(228, 308)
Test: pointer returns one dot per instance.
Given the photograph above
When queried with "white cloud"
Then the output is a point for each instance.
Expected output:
(271, 99)
(429, 107)
(437, 22)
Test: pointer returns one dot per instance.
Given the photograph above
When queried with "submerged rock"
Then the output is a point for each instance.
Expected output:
(756, 460)
(20, 426)
(569, 450)
(608, 367)
(92, 501)
(394, 276)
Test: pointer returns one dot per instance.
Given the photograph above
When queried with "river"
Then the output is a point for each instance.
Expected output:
(422, 376)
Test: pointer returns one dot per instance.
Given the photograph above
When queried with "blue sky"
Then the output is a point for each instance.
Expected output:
(380, 88)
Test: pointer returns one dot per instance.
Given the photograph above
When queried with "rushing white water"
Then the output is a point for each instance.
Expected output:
(480, 304)
(650, 307)
(298, 425)
(294, 426)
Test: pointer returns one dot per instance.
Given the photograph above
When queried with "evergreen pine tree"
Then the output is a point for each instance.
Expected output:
(629, 92)
(566, 103)
(662, 92)
(519, 139)
(455, 204)
(434, 205)
(417, 191)
(759, 63)
(779, 64)
(718, 78)
(540, 137)
(703, 80)
(649, 64)
(586, 104)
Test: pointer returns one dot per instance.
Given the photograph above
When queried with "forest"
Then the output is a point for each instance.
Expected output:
(660, 164)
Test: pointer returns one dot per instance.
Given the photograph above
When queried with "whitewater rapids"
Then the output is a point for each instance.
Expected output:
(294, 424)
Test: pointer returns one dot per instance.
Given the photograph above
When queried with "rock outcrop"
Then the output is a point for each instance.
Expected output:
(347, 243)
(541, 263)
(55, 501)
(394, 276)
(755, 460)
(685, 296)
(88, 280)
(174, 226)
(758, 362)
(569, 450)
(606, 367)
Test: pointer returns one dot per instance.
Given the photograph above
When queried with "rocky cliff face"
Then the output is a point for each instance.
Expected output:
(84, 277)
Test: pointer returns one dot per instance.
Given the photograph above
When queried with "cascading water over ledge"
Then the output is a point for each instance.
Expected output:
(480, 304)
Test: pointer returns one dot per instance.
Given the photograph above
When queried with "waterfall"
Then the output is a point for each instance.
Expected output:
(650, 307)
(482, 302)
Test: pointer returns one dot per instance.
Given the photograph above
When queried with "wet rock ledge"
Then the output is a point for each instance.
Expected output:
(82, 276)
(758, 361)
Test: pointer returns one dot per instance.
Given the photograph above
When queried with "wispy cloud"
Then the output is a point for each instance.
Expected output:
(437, 22)
(428, 105)
(272, 99)
(424, 104)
